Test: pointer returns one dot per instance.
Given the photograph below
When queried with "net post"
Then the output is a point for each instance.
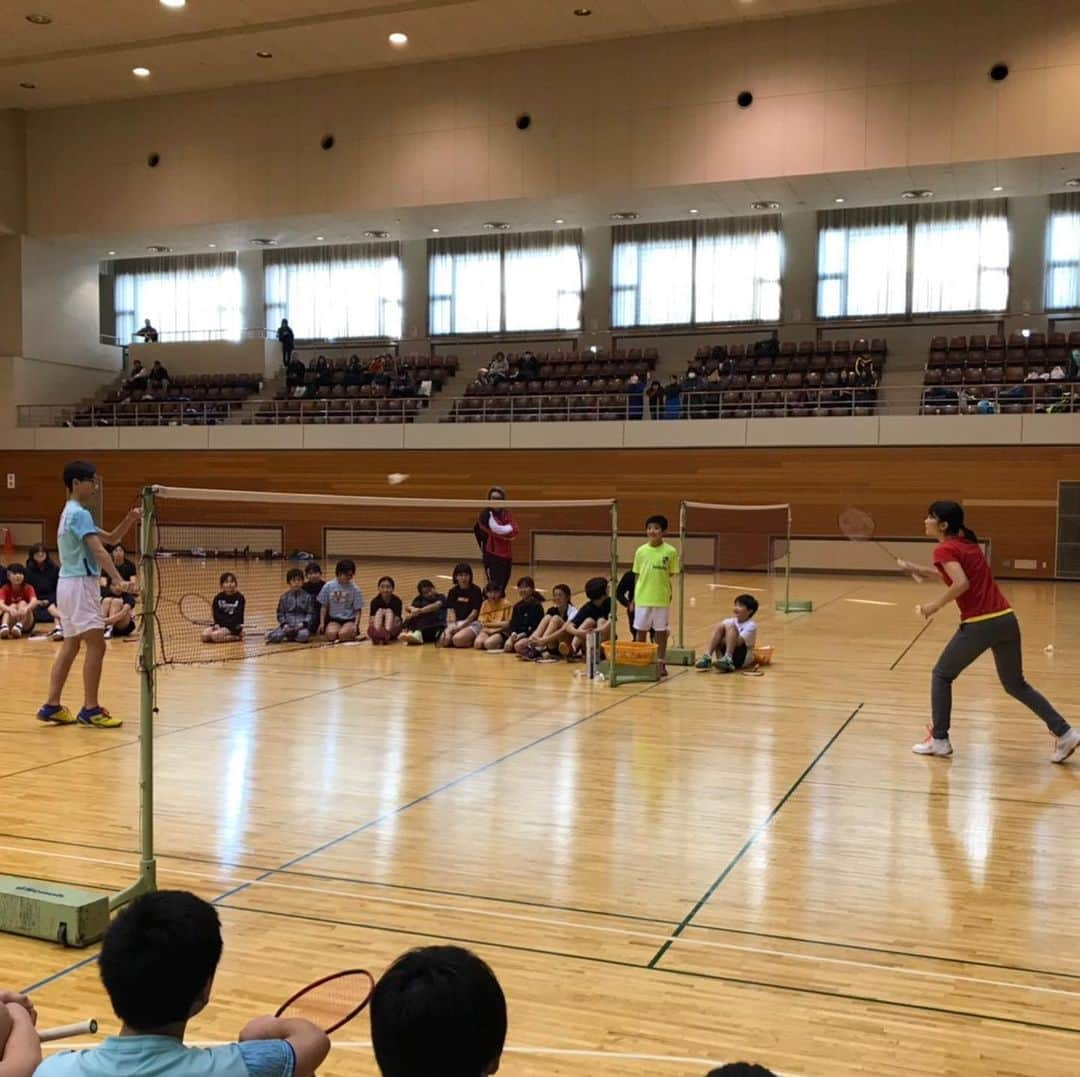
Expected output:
(787, 562)
(613, 622)
(147, 880)
(682, 574)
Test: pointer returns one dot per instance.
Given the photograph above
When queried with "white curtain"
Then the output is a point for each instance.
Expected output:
(652, 274)
(960, 257)
(335, 292)
(862, 262)
(495, 284)
(737, 269)
(186, 297)
(1063, 253)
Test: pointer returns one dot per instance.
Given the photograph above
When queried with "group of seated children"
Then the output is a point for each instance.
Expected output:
(28, 596)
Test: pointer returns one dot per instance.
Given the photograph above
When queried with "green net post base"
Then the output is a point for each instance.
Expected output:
(55, 912)
(681, 656)
(637, 674)
(795, 605)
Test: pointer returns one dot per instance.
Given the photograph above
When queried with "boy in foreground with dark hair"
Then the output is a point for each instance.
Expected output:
(733, 639)
(438, 1011)
(655, 563)
(157, 963)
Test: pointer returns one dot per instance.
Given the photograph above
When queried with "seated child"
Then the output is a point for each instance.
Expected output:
(43, 574)
(425, 616)
(733, 639)
(341, 604)
(594, 616)
(20, 1048)
(313, 581)
(297, 612)
(494, 619)
(527, 614)
(118, 607)
(17, 604)
(157, 963)
(438, 1010)
(228, 612)
(549, 631)
(463, 604)
(384, 616)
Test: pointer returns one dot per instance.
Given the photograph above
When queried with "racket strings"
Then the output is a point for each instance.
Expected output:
(331, 1002)
(856, 524)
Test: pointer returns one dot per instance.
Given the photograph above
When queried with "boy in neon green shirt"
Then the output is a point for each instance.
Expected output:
(654, 564)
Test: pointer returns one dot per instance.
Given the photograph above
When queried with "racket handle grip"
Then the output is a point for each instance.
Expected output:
(64, 1032)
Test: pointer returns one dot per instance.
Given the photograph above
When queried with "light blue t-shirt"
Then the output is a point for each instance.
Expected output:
(342, 601)
(156, 1056)
(75, 556)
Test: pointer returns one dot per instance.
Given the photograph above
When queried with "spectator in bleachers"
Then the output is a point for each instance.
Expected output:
(528, 368)
(42, 573)
(499, 368)
(138, 377)
(635, 391)
(295, 372)
(672, 398)
(404, 384)
(159, 376)
(438, 1009)
(1074, 365)
(354, 372)
(864, 371)
(655, 393)
(769, 347)
(148, 333)
(324, 370)
(482, 378)
(287, 338)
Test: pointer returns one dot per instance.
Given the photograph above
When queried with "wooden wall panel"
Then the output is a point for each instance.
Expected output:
(894, 484)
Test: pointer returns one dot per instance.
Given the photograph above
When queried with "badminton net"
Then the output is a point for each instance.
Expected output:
(197, 536)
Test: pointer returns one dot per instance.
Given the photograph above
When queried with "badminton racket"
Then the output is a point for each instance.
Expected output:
(65, 1032)
(858, 525)
(332, 1001)
(197, 610)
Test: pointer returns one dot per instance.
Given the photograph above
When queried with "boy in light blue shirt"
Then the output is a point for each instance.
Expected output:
(78, 597)
(341, 604)
(157, 963)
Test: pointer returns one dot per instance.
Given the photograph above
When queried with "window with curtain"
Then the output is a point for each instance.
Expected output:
(1063, 253)
(902, 260)
(696, 272)
(336, 291)
(526, 282)
(186, 297)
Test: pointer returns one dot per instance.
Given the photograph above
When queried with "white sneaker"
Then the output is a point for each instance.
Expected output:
(932, 746)
(108, 632)
(1065, 745)
(16, 631)
(4, 631)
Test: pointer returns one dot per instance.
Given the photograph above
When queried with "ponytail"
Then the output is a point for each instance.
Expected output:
(951, 514)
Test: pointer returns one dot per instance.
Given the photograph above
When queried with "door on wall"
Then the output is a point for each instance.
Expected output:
(1068, 532)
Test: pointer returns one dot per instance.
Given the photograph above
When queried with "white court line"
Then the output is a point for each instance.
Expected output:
(558, 1052)
(626, 933)
(730, 587)
(869, 602)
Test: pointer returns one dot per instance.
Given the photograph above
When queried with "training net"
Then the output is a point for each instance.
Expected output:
(197, 537)
(734, 546)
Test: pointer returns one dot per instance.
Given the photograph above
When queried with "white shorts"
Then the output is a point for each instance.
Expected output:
(78, 598)
(654, 617)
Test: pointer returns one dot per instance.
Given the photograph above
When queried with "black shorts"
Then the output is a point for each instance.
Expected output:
(341, 620)
(126, 630)
(431, 633)
(42, 614)
(738, 656)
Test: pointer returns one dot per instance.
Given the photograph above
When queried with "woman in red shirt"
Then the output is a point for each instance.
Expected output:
(987, 623)
(495, 530)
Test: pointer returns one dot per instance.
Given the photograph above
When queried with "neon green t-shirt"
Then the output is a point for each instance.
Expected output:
(654, 566)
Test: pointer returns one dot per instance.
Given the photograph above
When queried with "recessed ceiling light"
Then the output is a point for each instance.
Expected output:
(141, 72)
(211, 244)
(28, 85)
(398, 40)
(376, 234)
(997, 188)
(1073, 182)
(839, 201)
(581, 12)
(173, 3)
(435, 229)
(624, 215)
(917, 192)
(39, 20)
(264, 54)
(112, 252)
(695, 212)
(320, 238)
(560, 220)
(764, 205)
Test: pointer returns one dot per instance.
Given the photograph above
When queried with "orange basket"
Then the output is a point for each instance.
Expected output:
(635, 654)
(763, 655)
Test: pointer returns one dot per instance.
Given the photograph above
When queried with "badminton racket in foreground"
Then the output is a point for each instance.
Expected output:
(858, 525)
(65, 1032)
(332, 1001)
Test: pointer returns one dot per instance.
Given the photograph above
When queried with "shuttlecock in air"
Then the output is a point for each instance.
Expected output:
(396, 478)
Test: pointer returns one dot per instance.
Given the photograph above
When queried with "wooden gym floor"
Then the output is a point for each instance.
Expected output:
(663, 877)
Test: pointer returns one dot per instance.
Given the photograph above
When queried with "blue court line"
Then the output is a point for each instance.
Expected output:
(747, 845)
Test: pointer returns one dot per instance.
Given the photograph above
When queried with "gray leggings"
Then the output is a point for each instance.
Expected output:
(1002, 636)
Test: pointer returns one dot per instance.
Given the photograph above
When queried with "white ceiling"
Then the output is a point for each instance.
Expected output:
(1022, 177)
(87, 52)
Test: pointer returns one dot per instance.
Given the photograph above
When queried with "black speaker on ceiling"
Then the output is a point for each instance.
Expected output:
(153, 160)
(327, 142)
(523, 122)
(999, 72)
(745, 99)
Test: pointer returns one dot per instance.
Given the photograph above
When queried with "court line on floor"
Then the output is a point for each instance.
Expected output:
(371, 823)
(750, 841)
(918, 635)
